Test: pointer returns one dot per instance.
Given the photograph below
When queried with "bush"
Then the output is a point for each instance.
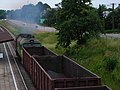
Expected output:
(110, 63)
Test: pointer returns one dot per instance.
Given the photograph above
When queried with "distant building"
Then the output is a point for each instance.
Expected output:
(105, 13)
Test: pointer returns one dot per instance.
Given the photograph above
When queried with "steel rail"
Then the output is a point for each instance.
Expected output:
(13, 76)
(12, 50)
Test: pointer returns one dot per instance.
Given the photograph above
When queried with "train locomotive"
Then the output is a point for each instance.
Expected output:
(49, 71)
(25, 40)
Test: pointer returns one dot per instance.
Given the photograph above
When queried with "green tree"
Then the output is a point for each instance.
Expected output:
(108, 20)
(77, 21)
(101, 10)
(29, 13)
(50, 17)
(2, 14)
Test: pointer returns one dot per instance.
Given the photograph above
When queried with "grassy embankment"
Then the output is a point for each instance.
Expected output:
(15, 30)
(101, 56)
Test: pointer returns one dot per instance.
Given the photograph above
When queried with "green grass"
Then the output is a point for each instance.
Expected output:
(95, 55)
(49, 40)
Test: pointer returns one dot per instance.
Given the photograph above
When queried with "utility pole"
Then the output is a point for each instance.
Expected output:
(113, 15)
(58, 7)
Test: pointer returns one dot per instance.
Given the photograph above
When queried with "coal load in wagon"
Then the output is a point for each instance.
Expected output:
(61, 66)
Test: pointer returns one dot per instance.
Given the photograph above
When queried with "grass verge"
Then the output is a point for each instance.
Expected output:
(15, 30)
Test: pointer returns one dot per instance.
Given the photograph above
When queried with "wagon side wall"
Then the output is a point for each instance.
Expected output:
(75, 70)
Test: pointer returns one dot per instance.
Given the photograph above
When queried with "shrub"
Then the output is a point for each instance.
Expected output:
(110, 63)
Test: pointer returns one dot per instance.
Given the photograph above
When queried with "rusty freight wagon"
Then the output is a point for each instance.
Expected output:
(49, 71)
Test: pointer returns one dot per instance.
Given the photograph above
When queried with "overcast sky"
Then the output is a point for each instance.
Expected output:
(16, 4)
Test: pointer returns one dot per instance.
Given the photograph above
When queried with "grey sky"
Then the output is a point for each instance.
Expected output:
(15, 4)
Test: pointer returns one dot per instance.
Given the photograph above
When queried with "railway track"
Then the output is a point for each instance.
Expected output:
(14, 69)
(10, 69)
(24, 80)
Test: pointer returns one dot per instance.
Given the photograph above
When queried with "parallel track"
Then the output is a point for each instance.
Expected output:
(18, 80)
(18, 69)
(16, 74)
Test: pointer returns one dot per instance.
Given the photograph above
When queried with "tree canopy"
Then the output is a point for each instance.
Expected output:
(28, 13)
(50, 17)
(77, 21)
(2, 14)
(109, 18)
(102, 8)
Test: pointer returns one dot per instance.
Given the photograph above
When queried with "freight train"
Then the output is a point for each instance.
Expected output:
(49, 71)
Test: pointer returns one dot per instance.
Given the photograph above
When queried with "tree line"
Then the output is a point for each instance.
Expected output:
(77, 21)
(2, 14)
(29, 13)
(110, 17)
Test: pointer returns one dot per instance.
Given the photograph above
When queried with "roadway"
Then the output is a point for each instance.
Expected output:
(30, 27)
(111, 35)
